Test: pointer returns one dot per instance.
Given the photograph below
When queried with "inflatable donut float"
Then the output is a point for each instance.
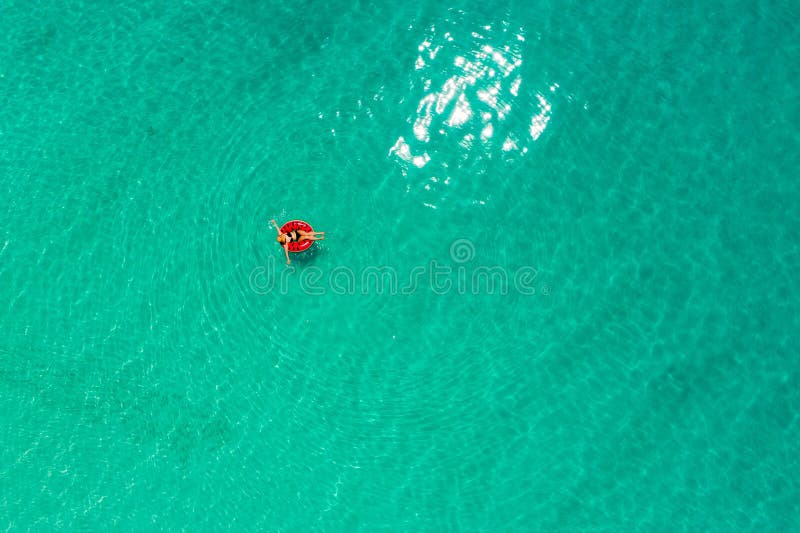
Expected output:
(293, 225)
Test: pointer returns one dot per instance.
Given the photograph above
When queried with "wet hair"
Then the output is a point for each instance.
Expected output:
(280, 238)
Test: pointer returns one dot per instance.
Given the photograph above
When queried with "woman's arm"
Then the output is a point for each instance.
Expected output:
(276, 226)
(286, 250)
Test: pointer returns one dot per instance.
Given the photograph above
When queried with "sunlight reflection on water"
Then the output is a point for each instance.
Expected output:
(472, 86)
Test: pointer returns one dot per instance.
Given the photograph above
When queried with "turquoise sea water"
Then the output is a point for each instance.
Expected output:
(628, 167)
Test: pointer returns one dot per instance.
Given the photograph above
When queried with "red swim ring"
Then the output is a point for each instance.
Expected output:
(293, 225)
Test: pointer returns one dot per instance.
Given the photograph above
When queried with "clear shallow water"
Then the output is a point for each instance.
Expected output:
(646, 153)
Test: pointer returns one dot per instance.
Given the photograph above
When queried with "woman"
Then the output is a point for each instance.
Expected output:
(297, 235)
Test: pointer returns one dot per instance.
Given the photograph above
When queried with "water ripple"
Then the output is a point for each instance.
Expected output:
(473, 103)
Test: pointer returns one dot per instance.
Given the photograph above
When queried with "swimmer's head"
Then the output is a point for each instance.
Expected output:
(281, 238)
